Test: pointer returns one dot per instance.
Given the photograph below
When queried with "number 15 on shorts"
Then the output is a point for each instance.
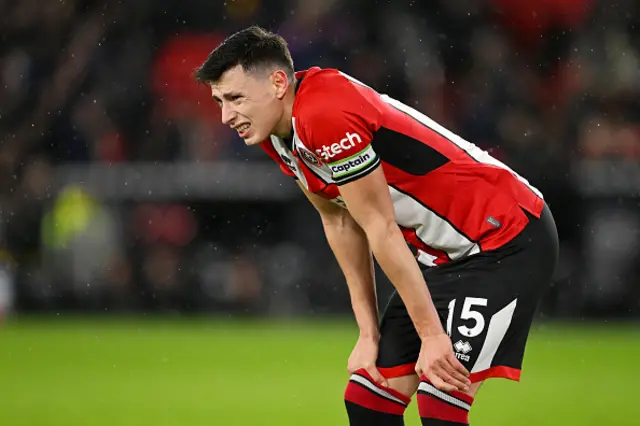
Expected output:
(472, 325)
(468, 313)
(477, 329)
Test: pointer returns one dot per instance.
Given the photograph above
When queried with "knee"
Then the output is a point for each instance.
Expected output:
(473, 389)
(436, 406)
(406, 385)
(362, 390)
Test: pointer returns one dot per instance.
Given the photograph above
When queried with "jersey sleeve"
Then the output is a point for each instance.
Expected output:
(341, 134)
(268, 148)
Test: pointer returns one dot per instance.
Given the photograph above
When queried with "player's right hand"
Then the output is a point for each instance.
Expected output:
(364, 356)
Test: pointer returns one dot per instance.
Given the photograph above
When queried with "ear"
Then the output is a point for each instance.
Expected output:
(280, 83)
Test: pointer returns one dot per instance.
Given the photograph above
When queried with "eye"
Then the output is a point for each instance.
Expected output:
(236, 98)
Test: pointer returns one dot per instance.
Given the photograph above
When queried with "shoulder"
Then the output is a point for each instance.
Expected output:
(335, 120)
(328, 91)
(329, 106)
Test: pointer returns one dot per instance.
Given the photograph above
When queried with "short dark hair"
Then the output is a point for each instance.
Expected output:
(250, 48)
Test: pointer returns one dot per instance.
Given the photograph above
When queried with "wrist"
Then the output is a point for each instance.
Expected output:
(426, 320)
(430, 331)
(370, 334)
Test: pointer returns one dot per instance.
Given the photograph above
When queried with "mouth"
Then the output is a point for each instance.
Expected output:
(243, 129)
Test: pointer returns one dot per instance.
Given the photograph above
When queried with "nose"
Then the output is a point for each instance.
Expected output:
(228, 114)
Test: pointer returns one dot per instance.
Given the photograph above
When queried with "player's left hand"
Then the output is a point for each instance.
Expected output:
(438, 363)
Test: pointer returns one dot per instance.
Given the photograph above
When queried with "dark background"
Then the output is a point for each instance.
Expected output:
(120, 191)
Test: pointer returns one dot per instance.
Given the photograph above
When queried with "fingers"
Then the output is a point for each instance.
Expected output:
(377, 377)
(438, 364)
(419, 371)
(450, 376)
(447, 377)
(457, 365)
(457, 371)
(372, 371)
(439, 383)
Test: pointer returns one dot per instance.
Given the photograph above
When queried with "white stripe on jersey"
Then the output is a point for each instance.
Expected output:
(284, 153)
(475, 152)
(432, 230)
(426, 258)
(355, 80)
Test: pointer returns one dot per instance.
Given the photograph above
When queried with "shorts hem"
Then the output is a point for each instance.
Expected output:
(398, 370)
(498, 372)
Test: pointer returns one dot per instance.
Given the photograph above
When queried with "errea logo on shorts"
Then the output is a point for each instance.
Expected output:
(462, 349)
(344, 144)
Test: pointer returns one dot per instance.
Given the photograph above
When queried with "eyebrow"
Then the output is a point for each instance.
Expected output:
(228, 96)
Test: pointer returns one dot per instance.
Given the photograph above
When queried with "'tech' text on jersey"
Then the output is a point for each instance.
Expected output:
(451, 198)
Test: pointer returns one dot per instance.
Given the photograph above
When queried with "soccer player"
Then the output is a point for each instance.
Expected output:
(469, 245)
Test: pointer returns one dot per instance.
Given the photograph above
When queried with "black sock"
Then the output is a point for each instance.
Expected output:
(369, 404)
(439, 408)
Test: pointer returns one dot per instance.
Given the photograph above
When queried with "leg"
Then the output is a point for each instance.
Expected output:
(491, 300)
(438, 408)
(370, 404)
(486, 303)
(398, 353)
(480, 314)
(406, 385)
(367, 402)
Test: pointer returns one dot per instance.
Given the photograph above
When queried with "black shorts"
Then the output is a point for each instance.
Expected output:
(486, 303)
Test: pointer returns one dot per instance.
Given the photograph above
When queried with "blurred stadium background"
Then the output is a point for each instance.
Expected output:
(155, 271)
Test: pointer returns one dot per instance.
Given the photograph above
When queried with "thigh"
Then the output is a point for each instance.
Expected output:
(487, 305)
(399, 342)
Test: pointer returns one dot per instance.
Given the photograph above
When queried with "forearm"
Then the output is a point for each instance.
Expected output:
(350, 246)
(400, 266)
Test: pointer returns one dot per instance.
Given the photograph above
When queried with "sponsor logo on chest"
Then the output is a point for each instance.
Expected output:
(344, 144)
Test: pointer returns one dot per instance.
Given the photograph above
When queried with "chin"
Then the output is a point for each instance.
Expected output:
(253, 140)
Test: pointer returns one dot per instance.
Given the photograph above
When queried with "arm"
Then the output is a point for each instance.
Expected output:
(343, 133)
(369, 202)
(351, 249)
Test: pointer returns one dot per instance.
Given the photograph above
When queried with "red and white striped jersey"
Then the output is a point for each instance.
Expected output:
(451, 198)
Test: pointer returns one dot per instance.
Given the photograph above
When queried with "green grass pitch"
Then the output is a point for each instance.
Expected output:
(82, 372)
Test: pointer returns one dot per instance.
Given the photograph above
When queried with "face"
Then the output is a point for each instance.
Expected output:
(252, 102)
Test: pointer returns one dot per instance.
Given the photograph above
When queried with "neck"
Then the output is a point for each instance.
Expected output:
(284, 128)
